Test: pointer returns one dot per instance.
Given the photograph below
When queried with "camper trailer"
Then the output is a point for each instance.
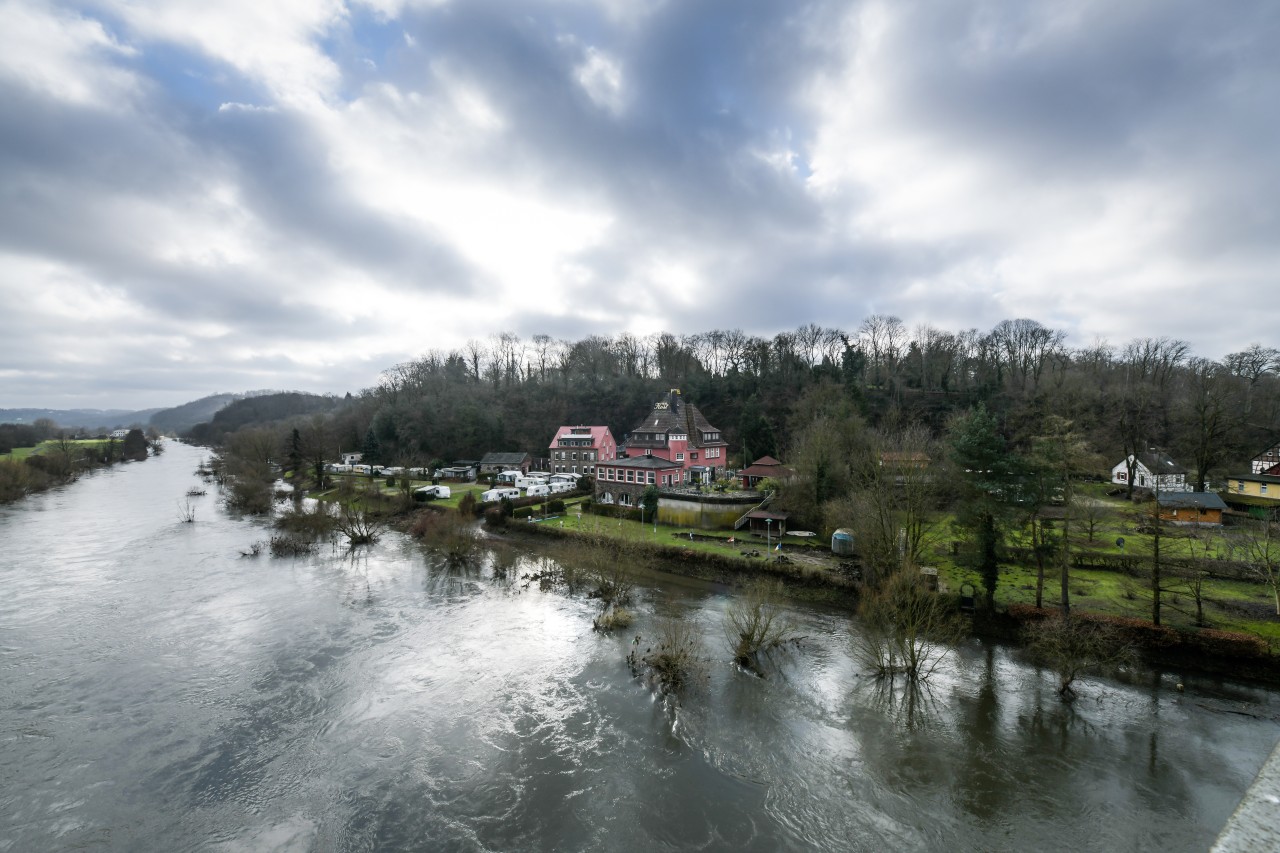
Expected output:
(508, 477)
(527, 482)
(537, 490)
(430, 493)
(495, 495)
(559, 487)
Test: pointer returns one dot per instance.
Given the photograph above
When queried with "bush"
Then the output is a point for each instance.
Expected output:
(288, 545)
(315, 523)
(673, 658)
(756, 623)
(495, 518)
(467, 506)
(613, 619)
(1227, 644)
(556, 506)
(1074, 646)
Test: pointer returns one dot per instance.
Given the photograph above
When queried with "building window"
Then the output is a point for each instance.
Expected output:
(650, 476)
(1262, 489)
(574, 469)
(631, 476)
(694, 456)
(1240, 486)
(679, 457)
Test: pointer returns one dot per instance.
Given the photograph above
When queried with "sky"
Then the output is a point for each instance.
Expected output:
(200, 197)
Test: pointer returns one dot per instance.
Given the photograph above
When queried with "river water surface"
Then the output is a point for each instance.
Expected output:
(161, 692)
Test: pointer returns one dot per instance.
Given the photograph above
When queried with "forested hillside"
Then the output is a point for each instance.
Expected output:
(776, 395)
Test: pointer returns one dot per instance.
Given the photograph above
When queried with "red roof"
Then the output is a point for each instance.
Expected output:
(765, 460)
(596, 433)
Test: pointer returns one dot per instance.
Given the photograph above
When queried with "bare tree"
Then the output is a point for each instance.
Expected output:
(1073, 647)
(756, 623)
(1262, 550)
(907, 629)
(1252, 364)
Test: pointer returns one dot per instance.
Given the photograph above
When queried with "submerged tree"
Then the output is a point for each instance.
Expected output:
(907, 629)
(671, 659)
(756, 623)
(1072, 647)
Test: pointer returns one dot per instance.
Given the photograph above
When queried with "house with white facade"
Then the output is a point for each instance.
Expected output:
(1146, 468)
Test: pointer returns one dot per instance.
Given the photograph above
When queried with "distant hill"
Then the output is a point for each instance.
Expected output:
(184, 417)
(262, 409)
(79, 418)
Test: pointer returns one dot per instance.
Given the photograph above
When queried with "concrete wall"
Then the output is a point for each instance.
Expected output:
(705, 512)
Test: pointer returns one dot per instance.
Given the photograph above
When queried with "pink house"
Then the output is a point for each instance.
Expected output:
(677, 432)
(577, 449)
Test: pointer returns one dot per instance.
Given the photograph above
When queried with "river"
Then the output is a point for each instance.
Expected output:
(162, 692)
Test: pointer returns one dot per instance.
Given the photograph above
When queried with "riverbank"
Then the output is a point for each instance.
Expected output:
(1206, 651)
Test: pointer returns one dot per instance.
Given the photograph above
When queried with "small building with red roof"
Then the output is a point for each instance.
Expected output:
(766, 467)
(579, 449)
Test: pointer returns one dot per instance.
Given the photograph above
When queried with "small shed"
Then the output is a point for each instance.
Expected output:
(765, 522)
(1192, 509)
(842, 542)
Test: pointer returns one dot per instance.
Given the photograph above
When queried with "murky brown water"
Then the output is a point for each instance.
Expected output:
(162, 693)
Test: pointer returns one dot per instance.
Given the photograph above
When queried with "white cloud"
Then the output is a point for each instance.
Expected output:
(274, 44)
(601, 77)
(63, 55)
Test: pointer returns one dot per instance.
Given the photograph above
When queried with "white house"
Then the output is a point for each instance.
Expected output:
(1173, 477)
(351, 458)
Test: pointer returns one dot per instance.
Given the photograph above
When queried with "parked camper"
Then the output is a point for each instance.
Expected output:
(359, 469)
(528, 482)
(509, 477)
(495, 495)
(560, 487)
(537, 490)
(430, 493)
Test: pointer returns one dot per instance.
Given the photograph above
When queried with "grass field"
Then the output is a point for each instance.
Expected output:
(20, 453)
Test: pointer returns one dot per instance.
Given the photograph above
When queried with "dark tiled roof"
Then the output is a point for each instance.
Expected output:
(504, 458)
(1255, 478)
(1203, 500)
(674, 415)
(1160, 463)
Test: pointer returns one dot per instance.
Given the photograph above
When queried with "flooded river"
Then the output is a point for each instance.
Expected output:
(161, 692)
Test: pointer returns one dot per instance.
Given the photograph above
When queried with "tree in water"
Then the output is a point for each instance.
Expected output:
(1072, 647)
(907, 629)
(756, 624)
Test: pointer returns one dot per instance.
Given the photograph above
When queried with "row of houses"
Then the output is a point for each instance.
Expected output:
(1255, 493)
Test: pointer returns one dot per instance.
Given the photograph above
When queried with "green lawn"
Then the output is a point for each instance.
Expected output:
(20, 453)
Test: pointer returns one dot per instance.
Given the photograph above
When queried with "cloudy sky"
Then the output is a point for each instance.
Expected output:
(200, 197)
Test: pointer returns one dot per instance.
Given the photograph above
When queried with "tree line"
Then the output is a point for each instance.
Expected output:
(510, 394)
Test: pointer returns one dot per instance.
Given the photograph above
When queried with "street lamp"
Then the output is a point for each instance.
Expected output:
(768, 537)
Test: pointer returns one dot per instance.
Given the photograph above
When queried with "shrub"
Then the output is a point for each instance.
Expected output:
(1229, 644)
(613, 619)
(449, 532)
(756, 624)
(1074, 646)
(316, 522)
(673, 658)
(467, 506)
(495, 518)
(556, 506)
(288, 545)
